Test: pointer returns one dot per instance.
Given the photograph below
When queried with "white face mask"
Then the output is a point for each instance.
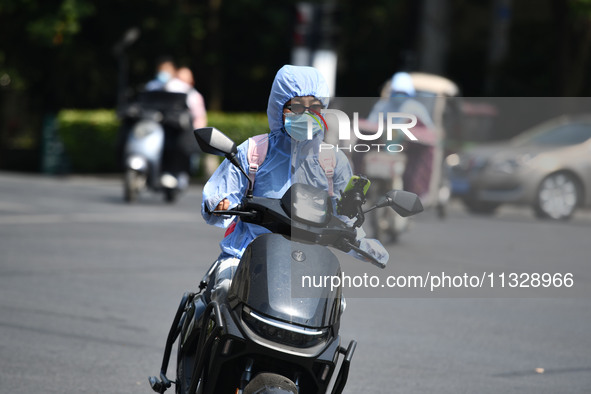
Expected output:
(303, 126)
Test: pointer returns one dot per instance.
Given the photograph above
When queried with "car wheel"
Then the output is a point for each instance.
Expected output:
(558, 197)
(481, 207)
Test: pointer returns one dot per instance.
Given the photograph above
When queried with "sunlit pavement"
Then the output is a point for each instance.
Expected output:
(89, 285)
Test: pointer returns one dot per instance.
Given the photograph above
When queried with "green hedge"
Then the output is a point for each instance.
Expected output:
(239, 126)
(90, 136)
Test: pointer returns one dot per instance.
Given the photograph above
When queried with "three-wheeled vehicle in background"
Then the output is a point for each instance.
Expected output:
(439, 129)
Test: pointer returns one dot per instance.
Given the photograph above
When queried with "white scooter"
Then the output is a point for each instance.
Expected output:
(153, 159)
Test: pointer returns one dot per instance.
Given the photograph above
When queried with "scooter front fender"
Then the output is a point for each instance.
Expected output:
(146, 139)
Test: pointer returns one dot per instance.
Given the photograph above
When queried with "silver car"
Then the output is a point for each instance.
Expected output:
(547, 167)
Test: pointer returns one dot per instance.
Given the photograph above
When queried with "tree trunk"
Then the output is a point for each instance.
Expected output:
(216, 90)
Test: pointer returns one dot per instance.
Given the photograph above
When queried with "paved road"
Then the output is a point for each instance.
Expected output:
(88, 286)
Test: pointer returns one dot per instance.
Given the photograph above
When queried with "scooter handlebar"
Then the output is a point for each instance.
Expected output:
(236, 213)
(367, 256)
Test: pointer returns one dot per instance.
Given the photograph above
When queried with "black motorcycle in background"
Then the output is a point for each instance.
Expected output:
(266, 337)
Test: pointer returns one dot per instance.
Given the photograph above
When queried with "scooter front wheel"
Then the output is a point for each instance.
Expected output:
(130, 186)
(170, 195)
(270, 383)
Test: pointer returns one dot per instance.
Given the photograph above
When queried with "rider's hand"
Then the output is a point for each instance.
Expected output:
(223, 205)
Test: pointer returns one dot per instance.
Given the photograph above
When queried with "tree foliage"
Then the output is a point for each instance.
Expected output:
(62, 53)
(64, 49)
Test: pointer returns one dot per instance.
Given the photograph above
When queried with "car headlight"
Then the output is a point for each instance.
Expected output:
(507, 166)
(284, 333)
(510, 165)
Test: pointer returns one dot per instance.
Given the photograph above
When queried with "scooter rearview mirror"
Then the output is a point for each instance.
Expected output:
(404, 203)
(213, 141)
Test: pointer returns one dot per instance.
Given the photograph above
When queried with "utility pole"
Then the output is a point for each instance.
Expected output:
(434, 41)
(314, 39)
(120, 51)
(499, 40)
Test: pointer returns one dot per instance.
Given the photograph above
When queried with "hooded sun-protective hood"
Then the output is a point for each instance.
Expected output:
(290, 82)
(402, 83)
(287, 161)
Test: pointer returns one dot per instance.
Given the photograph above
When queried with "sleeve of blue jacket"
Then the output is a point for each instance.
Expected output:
(226, 182)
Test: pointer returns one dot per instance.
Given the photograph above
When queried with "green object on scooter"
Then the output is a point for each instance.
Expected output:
(358, 182)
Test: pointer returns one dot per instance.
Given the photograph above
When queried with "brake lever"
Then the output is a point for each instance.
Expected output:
(368, 256)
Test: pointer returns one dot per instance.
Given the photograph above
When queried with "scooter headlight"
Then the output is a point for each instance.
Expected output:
(308, 204)
(143, 129)
(284, 333)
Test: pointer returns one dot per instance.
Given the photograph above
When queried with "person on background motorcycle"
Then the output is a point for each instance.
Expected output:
(291, 158)
(165, 71)
(183, 82)
(419, 154)
(182, 144)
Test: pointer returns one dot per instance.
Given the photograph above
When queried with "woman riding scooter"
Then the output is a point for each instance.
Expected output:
(291, 172)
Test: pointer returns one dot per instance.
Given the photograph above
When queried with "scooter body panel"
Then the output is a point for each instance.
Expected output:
(233, 350)
(146, 141)
(264, 287)
(269, 281)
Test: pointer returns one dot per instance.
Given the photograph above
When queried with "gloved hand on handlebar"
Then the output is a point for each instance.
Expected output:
(372, 247)
(375, 249)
